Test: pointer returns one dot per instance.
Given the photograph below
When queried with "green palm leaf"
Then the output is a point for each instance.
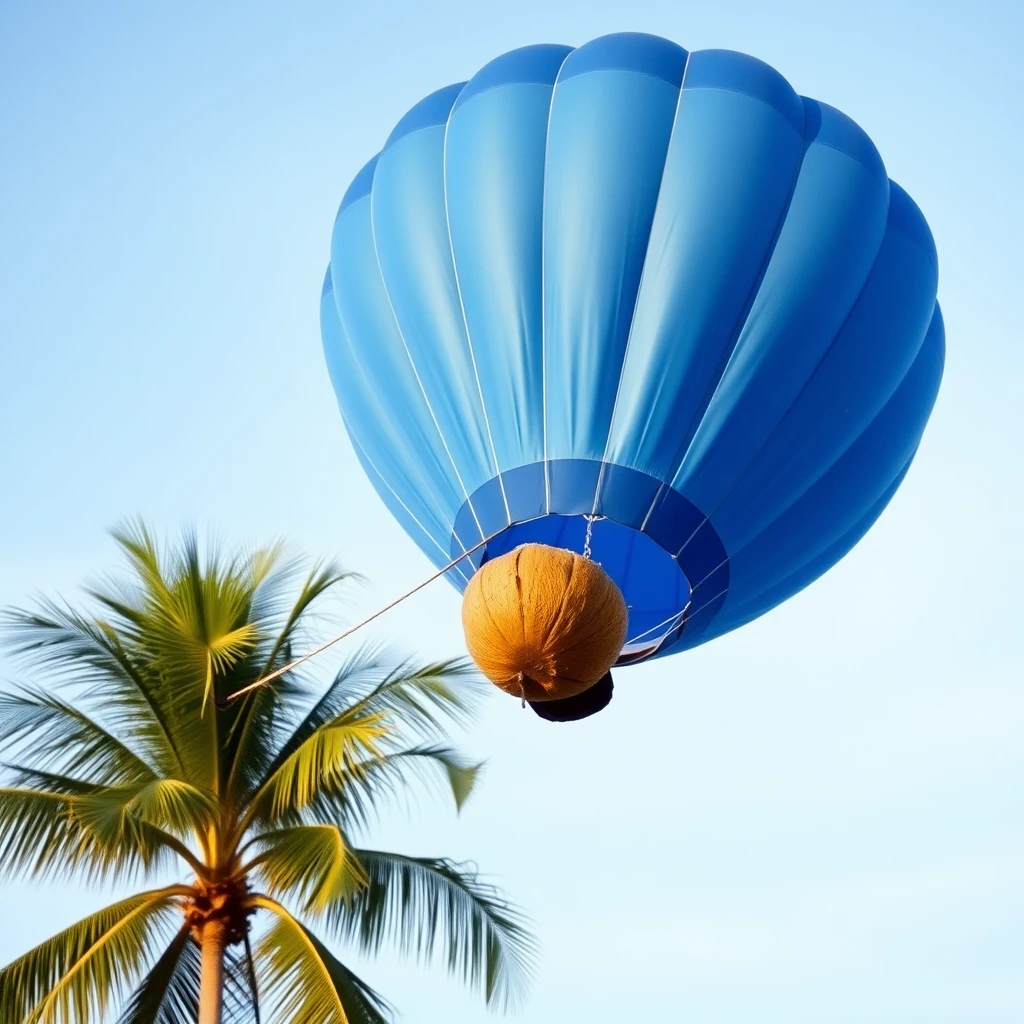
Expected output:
(418, 904)
(169, 993)
(335, 751)
(72, 650)
(108, 846)
(168, 804)
(41, 835)
(63, 735)
(75, 974)
(312, 864)
(305, 983)
(262, 718)
(353, 799)
(418, 698)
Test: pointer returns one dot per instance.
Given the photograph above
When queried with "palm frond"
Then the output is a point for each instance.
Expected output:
(25, 777)
(334, 752)
(305, 983)
(252, 984)
(167, 804)
(360, 669)
(254, 735)
(422, 904)
(75, 974)
(429, 698)
(70, 649)
(169, 992)
(319, 580)
(60, 734)
(419, 698)
(191, 620)
(366, 688)
(311, 864)
(41, 835)
(352, 800)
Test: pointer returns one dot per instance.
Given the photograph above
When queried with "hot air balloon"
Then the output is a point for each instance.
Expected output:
(637, 306)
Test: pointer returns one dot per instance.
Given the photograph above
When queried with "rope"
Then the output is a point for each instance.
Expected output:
(359, 625)
(685, 615)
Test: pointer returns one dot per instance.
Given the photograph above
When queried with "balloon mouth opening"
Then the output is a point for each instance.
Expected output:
(574, 709)
(654, 586)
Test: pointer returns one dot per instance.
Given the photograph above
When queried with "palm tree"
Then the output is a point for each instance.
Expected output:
(129, 762)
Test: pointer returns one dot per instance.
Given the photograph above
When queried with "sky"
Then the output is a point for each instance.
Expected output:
(817, 819)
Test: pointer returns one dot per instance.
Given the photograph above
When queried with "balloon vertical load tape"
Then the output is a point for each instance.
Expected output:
(543, 623)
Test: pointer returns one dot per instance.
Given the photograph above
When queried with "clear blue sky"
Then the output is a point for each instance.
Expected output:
(818, 819)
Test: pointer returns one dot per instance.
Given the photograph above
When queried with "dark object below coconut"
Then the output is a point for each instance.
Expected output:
(583, 705)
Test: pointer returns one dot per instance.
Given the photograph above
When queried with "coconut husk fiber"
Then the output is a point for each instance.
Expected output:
(543, 623)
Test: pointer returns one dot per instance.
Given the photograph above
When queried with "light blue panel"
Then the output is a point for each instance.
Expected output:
(369, 324)
(494, 183)
(859, 373)
(822, 258)
(457, 576)
(731, 166)
(410, 229)
(607, 140)
(369, 425)
(806, 534)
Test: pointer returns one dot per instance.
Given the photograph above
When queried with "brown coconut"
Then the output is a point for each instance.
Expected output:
(543, 623)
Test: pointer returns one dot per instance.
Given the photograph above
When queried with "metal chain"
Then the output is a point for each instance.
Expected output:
(590, 532)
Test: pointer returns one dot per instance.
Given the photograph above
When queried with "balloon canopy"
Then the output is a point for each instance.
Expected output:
(646, 285)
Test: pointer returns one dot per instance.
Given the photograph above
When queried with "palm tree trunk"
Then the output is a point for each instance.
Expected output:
(211, 991)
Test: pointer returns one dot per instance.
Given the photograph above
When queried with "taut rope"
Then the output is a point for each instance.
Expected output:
(277, 673)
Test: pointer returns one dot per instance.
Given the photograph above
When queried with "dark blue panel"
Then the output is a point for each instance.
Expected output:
(824, 253)
(906, 216)
(627, 51)
(936, 336)
(626, 495)
(863, 366)
(537, 64)
(430, 111)
(706, 602)
(572, 486)
(489, 505)
(838, 500)
(736, 72)
(526, 491)
(672, 520)
(466, 526)
(702, 554)
(786, 588)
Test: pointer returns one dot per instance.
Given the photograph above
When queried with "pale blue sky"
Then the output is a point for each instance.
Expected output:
(818, 819)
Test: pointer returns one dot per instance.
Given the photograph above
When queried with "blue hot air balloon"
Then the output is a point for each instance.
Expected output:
(642, 299)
